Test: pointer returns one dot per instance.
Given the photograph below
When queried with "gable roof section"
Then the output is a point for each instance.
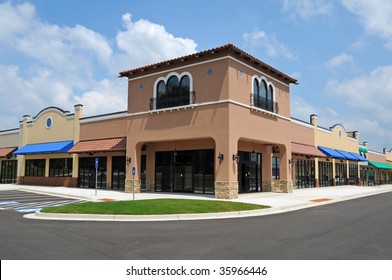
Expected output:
(228, 49)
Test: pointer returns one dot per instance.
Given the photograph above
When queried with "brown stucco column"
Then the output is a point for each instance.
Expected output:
(150, 168)
(133, 153)
(266, 170)
(109, 172)
(226, 171)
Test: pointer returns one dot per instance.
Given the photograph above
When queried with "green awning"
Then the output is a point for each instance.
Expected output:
(362, 150)
(380, 165)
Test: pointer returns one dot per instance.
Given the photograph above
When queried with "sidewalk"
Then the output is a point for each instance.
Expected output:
(279, 202)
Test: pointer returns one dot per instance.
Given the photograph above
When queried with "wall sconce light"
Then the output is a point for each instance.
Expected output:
(291, 161)
(275, 149)
(128, 160)
(236, 158)
(220, 157)
(91, 153)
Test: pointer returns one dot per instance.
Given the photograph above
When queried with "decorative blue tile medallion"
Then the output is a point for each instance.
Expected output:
(141, 86)
(209, 72)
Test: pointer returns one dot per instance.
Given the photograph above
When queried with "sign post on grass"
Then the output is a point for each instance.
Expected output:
(96, 175)
(133, 181)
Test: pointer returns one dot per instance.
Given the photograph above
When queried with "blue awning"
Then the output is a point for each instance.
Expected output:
(45, 148)
(331, 152)
(359, 157)
(347, 155)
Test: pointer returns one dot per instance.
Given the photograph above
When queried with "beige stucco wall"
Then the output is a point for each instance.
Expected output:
(331, 139)
(64, 127)
(388, 156)
(9, 139)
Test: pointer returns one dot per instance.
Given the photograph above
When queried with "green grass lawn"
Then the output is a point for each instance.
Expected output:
(153, 207)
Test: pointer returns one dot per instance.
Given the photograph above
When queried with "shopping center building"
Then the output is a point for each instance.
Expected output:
(214, 122)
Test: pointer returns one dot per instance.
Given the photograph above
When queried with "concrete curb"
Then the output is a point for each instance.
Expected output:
(189, 217)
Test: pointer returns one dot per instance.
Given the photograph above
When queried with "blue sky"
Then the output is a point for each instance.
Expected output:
(65, 52)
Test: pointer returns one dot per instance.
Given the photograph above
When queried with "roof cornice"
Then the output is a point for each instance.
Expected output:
(228, 49)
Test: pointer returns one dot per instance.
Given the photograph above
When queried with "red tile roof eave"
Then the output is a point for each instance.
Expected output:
(228, 47)
(101, 145)
(302, 149)
(4, 152)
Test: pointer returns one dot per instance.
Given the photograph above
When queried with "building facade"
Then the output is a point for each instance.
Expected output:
(215, 122)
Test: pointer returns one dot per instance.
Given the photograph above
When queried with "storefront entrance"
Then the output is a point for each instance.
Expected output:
(8, 171)
(304, 173)
(87, 172)
(118, 172)
(249, 172)
(185, 171)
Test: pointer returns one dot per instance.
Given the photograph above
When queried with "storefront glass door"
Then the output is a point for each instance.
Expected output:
(249, 172)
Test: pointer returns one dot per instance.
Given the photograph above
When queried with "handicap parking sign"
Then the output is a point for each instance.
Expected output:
(133, 171)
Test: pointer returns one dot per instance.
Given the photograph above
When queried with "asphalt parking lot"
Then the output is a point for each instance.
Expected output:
(27, 202)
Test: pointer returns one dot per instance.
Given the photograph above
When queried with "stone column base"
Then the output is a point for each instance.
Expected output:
(316, 183)
(226, 190)
(282, 186)
(150, 186)
(129, 186)
(266, 186)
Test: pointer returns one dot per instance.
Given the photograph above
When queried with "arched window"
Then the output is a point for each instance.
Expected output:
(174, 92)
(185, 83)
(263, 89)
(161, 89)
(173, 84)
(256, 92)
(270, 98)
(262, 95)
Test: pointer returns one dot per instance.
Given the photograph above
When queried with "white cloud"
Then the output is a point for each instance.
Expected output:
(274, 48)
(371, 93)
(375, 15)
(301, 109)
(144, 42)
(63, 66)
(370, 96)
(339, 60)
(14, 19)
(305, 9)
(106, 96)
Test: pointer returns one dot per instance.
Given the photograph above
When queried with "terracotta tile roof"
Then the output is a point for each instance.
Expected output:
(102, 145)
(229, 48)
(4, 152)
(302, 149)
